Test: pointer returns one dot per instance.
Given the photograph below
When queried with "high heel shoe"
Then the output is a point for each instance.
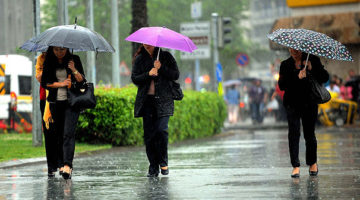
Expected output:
(164, 171)
(67, 173)
(296, 175)
(314, 173)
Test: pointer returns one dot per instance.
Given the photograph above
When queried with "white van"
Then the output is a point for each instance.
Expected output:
(17, 79)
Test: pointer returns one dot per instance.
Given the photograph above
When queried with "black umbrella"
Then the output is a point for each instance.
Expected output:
(74, 37)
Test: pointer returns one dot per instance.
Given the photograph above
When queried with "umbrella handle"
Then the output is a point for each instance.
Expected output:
(307, 58)
(157, 58)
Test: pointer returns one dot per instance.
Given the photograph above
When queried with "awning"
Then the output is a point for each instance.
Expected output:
(344, 27)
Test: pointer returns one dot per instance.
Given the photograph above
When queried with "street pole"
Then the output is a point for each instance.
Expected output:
(214, 21)
(197, 71)
(115, 44)
(36, 116)
(90, 55)
(66, 13)
(62, 11)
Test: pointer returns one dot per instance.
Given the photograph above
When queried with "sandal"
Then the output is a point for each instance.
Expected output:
(67, 172)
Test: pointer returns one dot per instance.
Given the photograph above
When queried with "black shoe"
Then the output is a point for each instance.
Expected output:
(152, 175)
(314, 173)
(295, 175)
(165, 171)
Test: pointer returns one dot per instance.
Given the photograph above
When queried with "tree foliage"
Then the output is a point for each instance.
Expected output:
(160, 13)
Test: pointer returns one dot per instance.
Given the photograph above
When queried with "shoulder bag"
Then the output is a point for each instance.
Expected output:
(82, 97)
(318, 92)
(176, 91)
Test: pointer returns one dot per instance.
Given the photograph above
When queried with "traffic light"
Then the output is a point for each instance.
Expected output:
(223, 31)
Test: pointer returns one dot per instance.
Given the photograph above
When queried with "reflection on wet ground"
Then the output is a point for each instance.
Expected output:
(244, 165)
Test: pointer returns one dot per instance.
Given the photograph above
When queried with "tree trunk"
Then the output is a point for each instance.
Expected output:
(139, 19)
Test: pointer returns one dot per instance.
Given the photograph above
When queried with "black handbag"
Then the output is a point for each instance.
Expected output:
(319, 93)
(82, 97)
(176, 91)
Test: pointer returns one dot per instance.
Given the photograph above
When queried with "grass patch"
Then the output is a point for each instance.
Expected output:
(15, 146)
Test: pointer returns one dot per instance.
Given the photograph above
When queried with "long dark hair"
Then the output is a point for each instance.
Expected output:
(52, 61)
(138, 51)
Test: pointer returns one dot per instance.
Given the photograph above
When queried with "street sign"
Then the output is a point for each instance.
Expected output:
(199, 33)
(196, 10)
(2, 79)
(242, 59)
(219, 72)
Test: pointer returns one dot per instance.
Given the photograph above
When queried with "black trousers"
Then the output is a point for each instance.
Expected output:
(155, 136)
(52, 143)
(65, 120)
(308, 116)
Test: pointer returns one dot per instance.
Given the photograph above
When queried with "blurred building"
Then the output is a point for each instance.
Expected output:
(262, 15)
(339, 19)
(16, 20)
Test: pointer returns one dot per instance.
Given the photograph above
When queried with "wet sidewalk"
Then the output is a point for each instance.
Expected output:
(243, 165)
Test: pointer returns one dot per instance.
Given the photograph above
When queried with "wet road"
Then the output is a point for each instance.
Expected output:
(253, 165)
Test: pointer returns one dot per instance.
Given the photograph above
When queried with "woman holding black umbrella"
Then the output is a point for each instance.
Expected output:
(61, 69)
(300, 105)
(154, 102)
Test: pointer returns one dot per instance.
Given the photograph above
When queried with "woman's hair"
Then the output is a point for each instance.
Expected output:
(51, 59)
(137, 53)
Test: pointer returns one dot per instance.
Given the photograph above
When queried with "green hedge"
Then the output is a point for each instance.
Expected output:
(112, 120)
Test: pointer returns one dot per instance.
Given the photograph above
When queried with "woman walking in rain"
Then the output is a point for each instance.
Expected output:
(51, 142)
(300, 106)
(154, 102)
(61, 69)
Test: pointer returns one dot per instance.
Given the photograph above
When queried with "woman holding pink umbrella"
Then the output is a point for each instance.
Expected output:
(154, 72)
(154, 102)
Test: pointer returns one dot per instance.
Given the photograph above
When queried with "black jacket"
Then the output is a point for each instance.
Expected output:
(49, 77)
(140, 76)
(297, 91)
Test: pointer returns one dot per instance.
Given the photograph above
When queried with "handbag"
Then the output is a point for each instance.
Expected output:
(318, 92)
(176, 91)
(82, 97)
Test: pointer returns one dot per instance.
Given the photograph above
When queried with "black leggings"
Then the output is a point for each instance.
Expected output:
(308, 116)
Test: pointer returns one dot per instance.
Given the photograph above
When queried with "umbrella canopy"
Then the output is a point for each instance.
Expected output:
(74, 37)
(162, 37)
(31, 46)
(311, 42)
(231, 82)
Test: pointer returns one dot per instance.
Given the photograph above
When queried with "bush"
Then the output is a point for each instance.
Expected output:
(112, 120)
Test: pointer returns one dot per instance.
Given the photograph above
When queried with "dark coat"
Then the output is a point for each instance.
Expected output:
(49, 77)
(140, 76)
(297, 91)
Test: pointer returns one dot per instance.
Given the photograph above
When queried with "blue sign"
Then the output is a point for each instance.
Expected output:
(218, 72)
(242, 59)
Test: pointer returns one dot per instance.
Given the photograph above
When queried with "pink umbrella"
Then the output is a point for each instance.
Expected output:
(162, 37)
